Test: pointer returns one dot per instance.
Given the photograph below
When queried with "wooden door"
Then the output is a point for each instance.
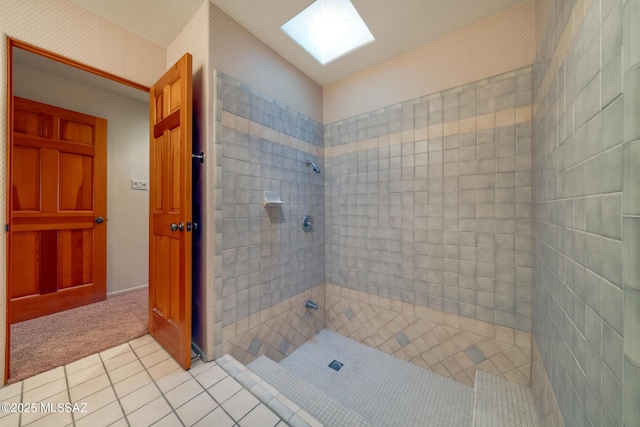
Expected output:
(58, 205)
(170, 211)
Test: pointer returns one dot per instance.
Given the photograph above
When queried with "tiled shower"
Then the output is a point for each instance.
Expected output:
(422, 246)
(489, 226)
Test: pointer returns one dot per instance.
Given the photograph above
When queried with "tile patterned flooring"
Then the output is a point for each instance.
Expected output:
(381, 388)
(416, 335)
(135, 384)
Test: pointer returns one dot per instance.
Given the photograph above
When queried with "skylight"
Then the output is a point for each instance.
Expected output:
(328, 29)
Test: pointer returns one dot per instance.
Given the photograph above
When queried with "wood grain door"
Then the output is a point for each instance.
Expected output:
(170, 211)
(58, 205)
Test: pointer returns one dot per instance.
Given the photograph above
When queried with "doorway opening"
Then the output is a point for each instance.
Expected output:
(46, 77)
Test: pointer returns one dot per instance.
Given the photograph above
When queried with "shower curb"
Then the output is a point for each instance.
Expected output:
(326, 409)
(284, 408)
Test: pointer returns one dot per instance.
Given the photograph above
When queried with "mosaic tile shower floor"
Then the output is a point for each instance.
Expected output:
(381, 388)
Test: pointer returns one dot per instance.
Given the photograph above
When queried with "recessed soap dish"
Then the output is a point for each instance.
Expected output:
(271, 198)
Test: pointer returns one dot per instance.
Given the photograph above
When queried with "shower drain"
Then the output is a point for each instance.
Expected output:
(335, 365)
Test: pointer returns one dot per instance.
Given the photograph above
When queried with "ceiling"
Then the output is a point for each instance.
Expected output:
(397, 25)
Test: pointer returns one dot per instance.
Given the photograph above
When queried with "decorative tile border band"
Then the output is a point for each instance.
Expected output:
(578, 13)
(472, 124)
(260, 131)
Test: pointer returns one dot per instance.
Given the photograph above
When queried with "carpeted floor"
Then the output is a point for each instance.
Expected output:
(47, 342)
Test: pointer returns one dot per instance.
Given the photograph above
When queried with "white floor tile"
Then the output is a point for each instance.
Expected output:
(224, 389)
(261, 416)
(45, 391)
(173, 379)
(196, 408)
(12, 419)
(163, 368)
(154, 358)
(97, 401)
(170, 420)
(120, 423)
(132, 384)
(82, 363)
(38, 411)
(50, 420)
(217, 418)
(89, 387)
(9, 391)
(4, 416)
(115, 351)
(125, 393)
(125, 371)
(211, 376)
(141, 397)
(103, 417)
(120, 360)
(149, 413)
(183, 393)
(139, 342)
(43, 378)
(85, 374)
(240, 404)
(148, 348)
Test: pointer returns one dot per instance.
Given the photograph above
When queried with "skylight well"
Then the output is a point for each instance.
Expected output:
(328, 29)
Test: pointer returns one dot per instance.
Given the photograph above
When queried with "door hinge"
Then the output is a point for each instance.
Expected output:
(6, 228)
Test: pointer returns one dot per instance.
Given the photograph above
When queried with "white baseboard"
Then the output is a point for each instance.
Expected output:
(124, 291)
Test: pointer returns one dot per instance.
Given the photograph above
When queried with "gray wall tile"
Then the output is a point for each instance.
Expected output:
(631, 252)
(441, 184)
(580, 312)
(631, 409)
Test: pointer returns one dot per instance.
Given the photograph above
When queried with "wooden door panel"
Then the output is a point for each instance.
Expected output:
(174, 102)
(174, 178)
(76, 182)
(170, 203)
(33, 123)
(49, 172)
(158, 148)
(167, 276)
(58, 177)
(76, 258)
(25, 263)
(73, 131)
(161, 275)
(48, 262)
(26, 179)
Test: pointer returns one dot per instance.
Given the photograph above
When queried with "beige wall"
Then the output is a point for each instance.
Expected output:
(491, 46)
(66, 29)
(238, 53)
(128, 158)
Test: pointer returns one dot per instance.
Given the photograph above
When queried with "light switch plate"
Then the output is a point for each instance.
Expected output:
(139, 184)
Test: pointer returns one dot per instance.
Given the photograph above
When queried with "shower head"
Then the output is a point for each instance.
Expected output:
(313, 166)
